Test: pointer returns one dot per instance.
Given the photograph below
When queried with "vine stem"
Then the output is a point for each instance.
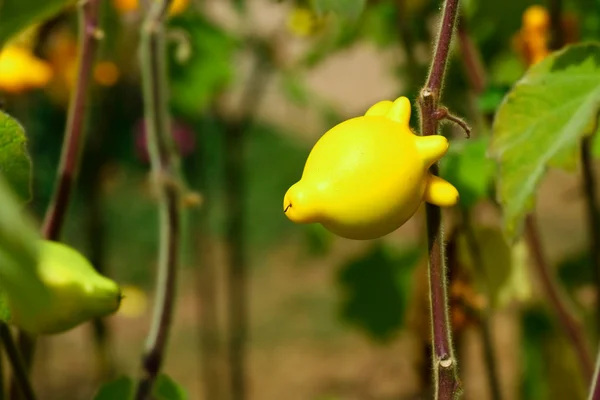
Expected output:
(447, 384)
(237, 265)
(16, 361)
(165, 170)
(89, 34)
(572, 327)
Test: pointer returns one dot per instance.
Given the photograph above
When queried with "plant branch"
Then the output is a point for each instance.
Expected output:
(165, 170)
(594, 393)
(235, 225)
(19, 369)
(89, 34)
(593, 215)
(483, 316)
(444, 362)
(571, 326)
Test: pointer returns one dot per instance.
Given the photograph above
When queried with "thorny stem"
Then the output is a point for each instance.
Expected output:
(444, 362)
(16, 361)
(165, 170)
(89, 34)
(572, 327)
(235, 193)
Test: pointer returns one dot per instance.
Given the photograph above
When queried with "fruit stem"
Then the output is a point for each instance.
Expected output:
(164, 162)
(18, 366)
(89, 35)
(571, 326)
(447, 384)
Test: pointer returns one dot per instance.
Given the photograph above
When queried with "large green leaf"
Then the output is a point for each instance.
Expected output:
(16, 15)
(15, 163)
(118, 389)
(540, 124)
(376, 287)
(469, 169)
(201, 63)
(167, 389)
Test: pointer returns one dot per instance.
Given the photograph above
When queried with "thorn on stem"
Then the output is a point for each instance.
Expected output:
(442, 113)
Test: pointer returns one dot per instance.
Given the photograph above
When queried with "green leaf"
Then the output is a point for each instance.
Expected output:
(295, 89)
(166, 389)
(350, 9)
(201, 63)
(318, 239)
(540, 124)
(468, 168)
(504, 267)
(119, 389)
(16, 15)
(15, 163)
(376, 287)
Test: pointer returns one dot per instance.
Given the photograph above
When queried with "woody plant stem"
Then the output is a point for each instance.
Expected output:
(447, 384)
(165, 170)
(89, 35)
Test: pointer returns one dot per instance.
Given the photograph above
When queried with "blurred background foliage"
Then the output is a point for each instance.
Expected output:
(330, 319)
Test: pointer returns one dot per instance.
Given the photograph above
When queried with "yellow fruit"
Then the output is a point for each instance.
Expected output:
(20, 70)
(106, 73)
(126, 6)
(303, 22)
(368, 175)
(77, 293)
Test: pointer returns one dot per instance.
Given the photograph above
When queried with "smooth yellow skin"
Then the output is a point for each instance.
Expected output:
(368, 175)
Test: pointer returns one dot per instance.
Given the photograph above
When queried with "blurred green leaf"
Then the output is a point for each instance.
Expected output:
(491, 98)
(506, 68)
(201, 62)
(504, 267)
(166, 389)
(119, 389)
(468, 168)
(540, 124)
(550, 369)
(376, 287)
(350, 9)
(381, 23)
(15, 163)
(295, 89)
(318, 239)
(576, 270)
(16, 15)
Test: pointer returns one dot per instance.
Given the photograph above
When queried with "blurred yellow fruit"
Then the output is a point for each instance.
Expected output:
(536, 18)
(303, 22)
(126, 6)
(106, 73)
(134, 302)
(20, 70)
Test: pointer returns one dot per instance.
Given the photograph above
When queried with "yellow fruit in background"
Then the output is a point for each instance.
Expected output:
(126, 6)
(368, 175)
(20, 70)
(303, 22)
(106, 73)
(77, 293)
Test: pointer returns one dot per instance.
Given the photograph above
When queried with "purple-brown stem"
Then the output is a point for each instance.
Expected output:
(89, 34)
(571, 326)
(444, 364)
(165, 170)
